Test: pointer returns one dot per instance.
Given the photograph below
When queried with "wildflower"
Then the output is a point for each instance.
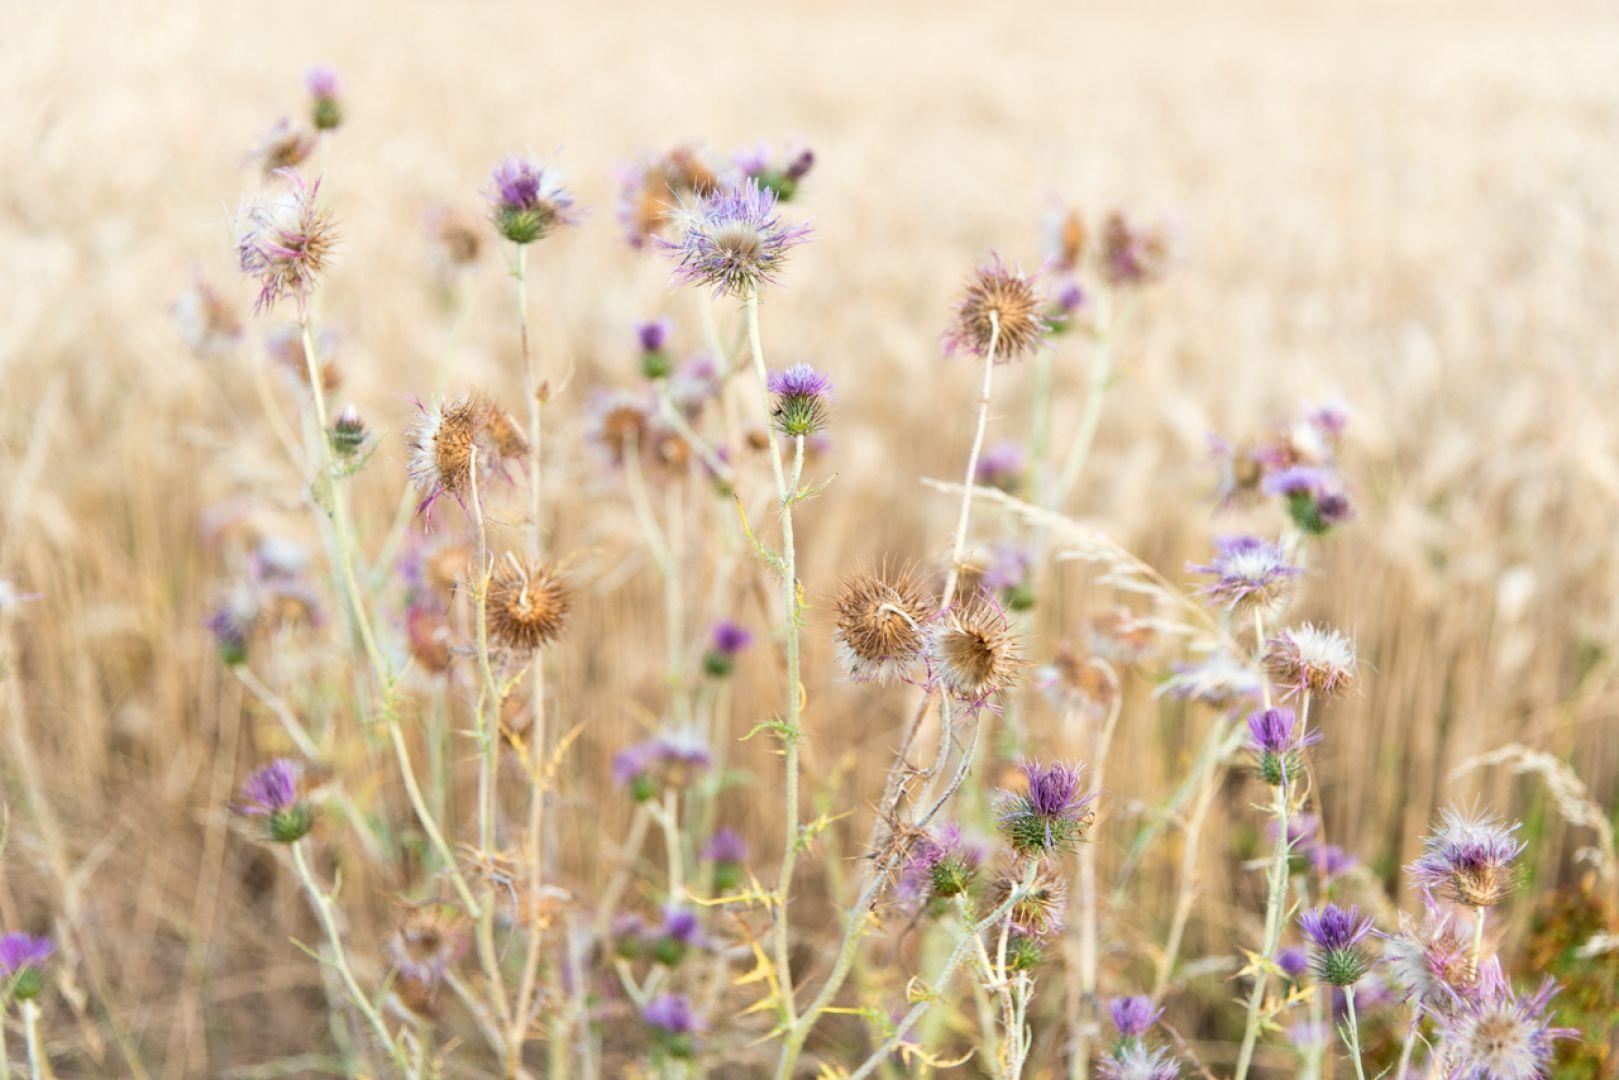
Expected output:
(881, 633)
(1492, 1034)
(1067, 300)
(1219, 680)
(1000, 305)
(673, 758)
(653, 335)
(1008, 575)
(975, 651)
(1338, 955)
(1133, 1016)
(1249, 574)
(22, 958)
(230, 624)
(272, 793)
(1469, 858)
(754, 163)
(649, 191)
(728, 641)
(1076, 684)
(674, 1026)
(348, 433)
(801, 393)
(727, 851)
(210, 324)
(1278, 746)
(1023, 952)
(443, 440)
(1137, 1061)
(326, 103)
(939, 865)
(1134, 255)
(679, 933)
(1429, 959)
(1052, 814)
(1039, 911)
(1293, 961)
(285, 241)
(1001, 466)
(733, 241)
(1315, 499)
(528, 200)
(283, 147)
(527, 605)
(1315, 660)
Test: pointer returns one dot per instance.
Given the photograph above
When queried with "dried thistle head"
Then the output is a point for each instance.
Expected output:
(506, 438)
(286, 242)
(284, 146)
(528, 603)
(1078, 684)
(1000, 305)
(444, 439)
(1470, 858)
(1065, 238)
(882, 630)
(1314, 660)
(976, 653)
(1040, 911)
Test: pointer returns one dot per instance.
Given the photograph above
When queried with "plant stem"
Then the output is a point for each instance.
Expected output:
(1410, 1042)
(1090, 419)
(39, 1065)
(968, 483)
(789, 592)
(1478, 942)
(1351, 1033)
(1274, 907)
(1079, 1062)
(323, 911)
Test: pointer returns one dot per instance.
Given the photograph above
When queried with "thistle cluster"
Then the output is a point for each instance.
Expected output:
(1050, 814)
(1297, 464)
(272, 793)
(653, 190)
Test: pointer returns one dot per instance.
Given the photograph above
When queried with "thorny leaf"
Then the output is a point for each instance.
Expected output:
(810, 830)
(759, 548)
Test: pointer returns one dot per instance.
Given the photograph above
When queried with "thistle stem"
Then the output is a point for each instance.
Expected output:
(1478, 942)
(39, 1066)
(1274, 906)
(789, 589)
(967, 484)
(1090, 419)
(1351, 1033)
(1410, 1042)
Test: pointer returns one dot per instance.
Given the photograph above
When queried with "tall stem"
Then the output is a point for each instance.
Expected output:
(1478, 941)
(789, 596)
(962, 517)
(1274, 906)
(1090, 419)
(1080, 1062)
(1351, 1033)
(1410, 1042)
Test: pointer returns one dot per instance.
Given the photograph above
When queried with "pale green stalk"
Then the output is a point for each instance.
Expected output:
(1095, 397)
(1351, 1034)
(1410, 1042)
(1275, 905)
(1079, 1061)
(39, 1065)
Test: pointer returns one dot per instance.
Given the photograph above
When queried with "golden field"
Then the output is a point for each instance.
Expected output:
(1412, 211)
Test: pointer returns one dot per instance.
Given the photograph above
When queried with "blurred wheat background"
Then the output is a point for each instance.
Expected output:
(1414, 210)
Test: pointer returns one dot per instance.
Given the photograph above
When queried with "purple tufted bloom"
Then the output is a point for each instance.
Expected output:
(19, 951)
(1001, 466)
(1492, 1034)
(285, 241)
(326, 112)
(1133, 1016)
(939, 864)
(1137, 1061)
(528, 200)
(800, 380)
(732, 240)
(800, 406)
(1249, 574)
(1293, 961)
(671, 1013)
(1337, 935)
(230, 624)
(1277, 745)
(1469, 858)
(321, 81)
(1309, 480)
(680, 924)
(1332, 861)
(726, 845)
(654, 334)
(272, 789)
(1053, 814)
(731, 638)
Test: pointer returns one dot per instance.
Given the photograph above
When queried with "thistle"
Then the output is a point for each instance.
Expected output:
(1277, 746)
(675, 1027)
(782, 179)
(726, 644)
(1338, 954)
(1249, 574)
(528, 200)
(653, 338)
(443, 439)
(1429, 958)
(1133, 1016)
(1314, 660)
(286, 242)
(1133, 255)
(728, 852)
(732, 240)
(1000, 303)
(1469, 859)
(22, 962)
(284, 146)
(528, 603)
(939, 865)
(1051, 815)
(679, 933)
(1137, 1061)
(799, 400)
(347, 434)
(272, 793)
(1492, 1034)
(1041, 909)
(1002, 466)
(650, 191)
(882, 629)
(325, 98)
(976, 654)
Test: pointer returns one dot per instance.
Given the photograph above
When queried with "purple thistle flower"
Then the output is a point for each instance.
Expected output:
(653, 334)
(939, 864)
(632, 768)
(1248, 573)
(272, 793)
(731, 638)
(230, 624)
(1338, 955)
(1309, 480)
(1053, 814)
(801, 392)
(1133, 1016)
(1332, 861)
(20, 951)
(1278, 746)
(726, 845)
(1492, 1034)
(286, 242)
(671, 1013)
(1430, 959)
(732, 240)
(1293, 961)
(1469, 858)
(326, 113)
(1001, 466)
(528, 200)
(800, 380)
(322, 82)
(680, 924)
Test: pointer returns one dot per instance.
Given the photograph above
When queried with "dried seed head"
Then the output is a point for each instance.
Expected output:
(1065, 238)
(1469, 858)
(286, 242)
(976, 653)
(1077, 684)
(284, 146)
(1003, 296)
(527, 604)
(1039, 913)
(882, 626)
(1314, 660)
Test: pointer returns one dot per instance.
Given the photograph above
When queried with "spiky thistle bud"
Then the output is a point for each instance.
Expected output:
(22, 964)
(674, 1026)
(348, 432)
(728, 852)
(1051, 814)
(1277, 747)
(272, 793)
(729, 639)
(653, 336)
(800, 395)
(1337, 935)
(528, 200)
(1023, 952)
(325, 98)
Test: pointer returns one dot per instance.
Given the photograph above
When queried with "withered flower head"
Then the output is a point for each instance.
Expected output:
(1003, 297)
(1315, 660)
(528, 603)
(1040, 911)
(443, 439)
(882, 626)
(975, 652)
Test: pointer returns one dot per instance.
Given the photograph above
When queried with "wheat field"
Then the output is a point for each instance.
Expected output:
(1411, 210)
